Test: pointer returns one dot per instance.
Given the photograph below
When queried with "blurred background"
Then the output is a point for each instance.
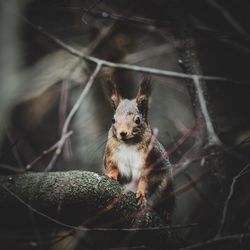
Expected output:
(40, 82)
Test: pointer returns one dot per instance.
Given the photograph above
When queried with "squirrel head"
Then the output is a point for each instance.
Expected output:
(130, 120)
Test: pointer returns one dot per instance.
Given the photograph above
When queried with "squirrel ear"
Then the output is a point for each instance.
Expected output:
(145, 87)
(115, 97)
(142, 98)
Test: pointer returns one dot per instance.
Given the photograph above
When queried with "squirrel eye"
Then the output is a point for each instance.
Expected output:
(137, 120)
(113, 120)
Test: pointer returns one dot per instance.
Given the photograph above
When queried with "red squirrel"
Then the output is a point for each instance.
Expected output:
(132, 154)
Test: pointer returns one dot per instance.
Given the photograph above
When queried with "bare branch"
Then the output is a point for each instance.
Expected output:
(147, 53)
(218, 238)
(184, 137)
(47, 151)
(12, 168)
(229, 18)
(122, 18)
(237, 45)
(84, 187)
(141, 247)
(89, 9)
(212, 136)
(244, 171)
(232, 39)
(135, 68)
(217, 241)
(182, 189)
(156, 23)
(14, 148)
(70, 116)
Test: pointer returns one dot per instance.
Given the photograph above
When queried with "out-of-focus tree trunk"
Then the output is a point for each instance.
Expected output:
(9, 59)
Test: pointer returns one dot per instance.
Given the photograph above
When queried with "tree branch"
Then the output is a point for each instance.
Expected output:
(244, 171)
(217, 241)
(70, 116)
(212, 136)
(122, 18)
(72, 197)
(229, 18)
(136, 68)
(83, 202)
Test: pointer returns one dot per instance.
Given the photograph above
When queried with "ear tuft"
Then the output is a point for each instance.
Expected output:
(145, 86)
(142, 98)
(115, 97)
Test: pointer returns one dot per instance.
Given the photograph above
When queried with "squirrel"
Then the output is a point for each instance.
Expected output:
(133, 154)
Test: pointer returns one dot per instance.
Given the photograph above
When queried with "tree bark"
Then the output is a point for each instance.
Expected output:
(86, 200)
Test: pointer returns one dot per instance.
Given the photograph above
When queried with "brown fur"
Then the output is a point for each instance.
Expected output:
(131, 134)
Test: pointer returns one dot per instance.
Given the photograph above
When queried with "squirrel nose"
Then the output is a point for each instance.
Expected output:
(123, 134)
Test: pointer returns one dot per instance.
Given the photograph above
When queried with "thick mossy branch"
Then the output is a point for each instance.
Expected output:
(73, 197)
(85, 202)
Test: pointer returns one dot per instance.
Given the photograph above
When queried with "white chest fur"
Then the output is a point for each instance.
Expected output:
(129, 161)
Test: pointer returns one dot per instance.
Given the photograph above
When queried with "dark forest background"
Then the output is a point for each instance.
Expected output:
(203, 122)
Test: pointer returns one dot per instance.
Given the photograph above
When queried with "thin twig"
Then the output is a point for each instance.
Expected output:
(136, 68)
(145, 54)
(35, 210)
(47, 151)
(216, 241)
(63, 106)
(182, 189)
(212, 136)
(63, 102)
(129, 248)
(143, 167)
(244, 171)
(152, 142)
(218, 238)
(167, 153)
(122, 18)
(200, 192)
(70, 116)
(185, 136)
(65, 86)
(14, 149)
(89, 9)
(231, 39)
(11, 168)
(229, 18)
(185, 161)
(156, 23)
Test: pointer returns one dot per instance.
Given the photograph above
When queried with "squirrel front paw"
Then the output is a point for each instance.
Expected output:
(141, 199)
(113, 175)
